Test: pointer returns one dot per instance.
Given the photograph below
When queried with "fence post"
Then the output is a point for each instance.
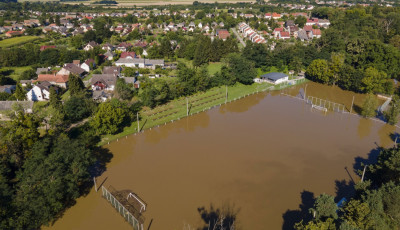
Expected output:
(137, 118)
(351, 108)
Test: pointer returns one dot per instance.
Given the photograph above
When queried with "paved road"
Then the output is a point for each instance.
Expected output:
(238, 37)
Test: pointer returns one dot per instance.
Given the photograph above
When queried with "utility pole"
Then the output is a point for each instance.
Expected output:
(362, 178)
(305, 90)
(187, 107)
(226, 94)
(137, 118)
(95, 185)
(351, 108)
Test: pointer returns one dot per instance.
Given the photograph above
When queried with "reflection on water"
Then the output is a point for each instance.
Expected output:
(364, 127)
(260, 153)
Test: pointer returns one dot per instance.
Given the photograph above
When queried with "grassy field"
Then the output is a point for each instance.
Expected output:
(177, 109)
(15, 71)
(9, 42)
(214, 67)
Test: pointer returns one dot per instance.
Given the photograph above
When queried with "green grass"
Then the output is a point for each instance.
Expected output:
(9, 42)
(15, 71)
(177, 109)
(214, 67)
(65, 96)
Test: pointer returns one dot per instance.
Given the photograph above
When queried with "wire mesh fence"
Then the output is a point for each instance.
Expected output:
(126, 212)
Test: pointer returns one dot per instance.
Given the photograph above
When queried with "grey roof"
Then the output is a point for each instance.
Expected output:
(41, 70)
(116, 70)
(7, 105)
(302, 35)
(129, 80)
(140, 61)
(109, 54)
(154, 61)
(108, 79)
(7, 88)
(74, 69)
(44, 85)
(274, 76)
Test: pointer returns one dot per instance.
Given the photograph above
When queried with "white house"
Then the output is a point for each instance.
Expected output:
(90, 46)
(140, 62)
(39, 92)
(103, 82)
(274, 77)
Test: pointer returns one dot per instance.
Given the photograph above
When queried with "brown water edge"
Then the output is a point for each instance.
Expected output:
(259, 153)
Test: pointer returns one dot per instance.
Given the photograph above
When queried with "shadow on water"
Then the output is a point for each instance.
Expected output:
(345, 189)
(372, 157)
(219, 218)
(291, 217)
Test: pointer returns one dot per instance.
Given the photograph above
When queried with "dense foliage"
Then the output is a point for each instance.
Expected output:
(376, 204)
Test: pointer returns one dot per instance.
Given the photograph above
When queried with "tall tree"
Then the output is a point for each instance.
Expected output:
(20, 93)
(75, 84)
(369, 106)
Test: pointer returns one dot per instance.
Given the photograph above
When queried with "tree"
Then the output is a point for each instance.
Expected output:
(257, 53)
(20, 93)
(393, 113)
(57, 21)
(325, 207)
(319, 71)
(242, 69)
(75, 84)
(369, 106)
(111, 116)
(202, 52)
(55, 101)
(28, 74)
(49, 57)
(356, 214)
(336, 65)
(373, 80)
(123, 90)
(300, 21)
(77, 107)
(52, 178)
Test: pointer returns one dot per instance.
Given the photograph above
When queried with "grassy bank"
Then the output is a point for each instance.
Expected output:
(9, 42)
(199, 102)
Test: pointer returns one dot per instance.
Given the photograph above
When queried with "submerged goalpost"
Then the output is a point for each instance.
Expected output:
(127, 211)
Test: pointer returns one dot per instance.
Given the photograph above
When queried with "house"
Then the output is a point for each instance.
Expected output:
(274, 77)
(128, 55)
(90, 46)
(109, 55)
(316, 33)
(88, 65)
(39, 92)
(25, 83)
(100, 95)
(116, 70)
(103, 82)
(223, 34)
(284, 35)
(42, 70)
(108, 47)
(140, 62)
(71, 68)
(276, 16)
(124, 46)
(7, 88)
(13, 33)
(59, 80)
(47, 47)
(268, 16)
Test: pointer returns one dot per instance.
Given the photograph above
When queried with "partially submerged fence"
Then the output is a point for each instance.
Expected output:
(325, 105)
(126, 210)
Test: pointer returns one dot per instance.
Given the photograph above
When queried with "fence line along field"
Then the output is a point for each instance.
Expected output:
(182, 107)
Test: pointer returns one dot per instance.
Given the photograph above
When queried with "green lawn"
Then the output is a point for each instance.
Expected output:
(9, 42)
(214, 67)
(15, 71)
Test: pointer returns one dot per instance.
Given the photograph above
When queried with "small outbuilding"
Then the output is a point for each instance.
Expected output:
(275, 78)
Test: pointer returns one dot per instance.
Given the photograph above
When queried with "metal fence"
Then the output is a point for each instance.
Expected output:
(325, 105)
(134, 222)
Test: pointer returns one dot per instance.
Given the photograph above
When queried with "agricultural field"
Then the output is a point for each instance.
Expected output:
(14, 72)
(9, 42)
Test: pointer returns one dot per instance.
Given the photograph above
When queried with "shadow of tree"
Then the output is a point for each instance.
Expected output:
(291, 217)
(359, 162)
(219, 218)
(345, 189)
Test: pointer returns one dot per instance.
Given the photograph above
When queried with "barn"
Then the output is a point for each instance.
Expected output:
(275, 78)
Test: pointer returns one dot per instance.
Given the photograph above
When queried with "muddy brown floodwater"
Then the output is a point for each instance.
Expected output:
(266, 154)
